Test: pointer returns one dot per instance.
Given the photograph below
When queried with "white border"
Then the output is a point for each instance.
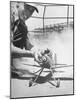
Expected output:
(5, 44)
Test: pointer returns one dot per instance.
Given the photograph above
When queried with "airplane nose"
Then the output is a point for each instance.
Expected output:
(44, 58)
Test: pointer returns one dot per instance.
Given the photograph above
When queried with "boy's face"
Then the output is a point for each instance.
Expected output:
(22, 15)
(23, 18)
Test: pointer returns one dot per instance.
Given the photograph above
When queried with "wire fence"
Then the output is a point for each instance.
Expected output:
(67, 17)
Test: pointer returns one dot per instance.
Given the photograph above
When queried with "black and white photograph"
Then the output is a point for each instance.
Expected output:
(41, 49)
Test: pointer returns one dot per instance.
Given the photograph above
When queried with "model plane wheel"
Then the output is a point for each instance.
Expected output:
(30, 82)
(58, 83)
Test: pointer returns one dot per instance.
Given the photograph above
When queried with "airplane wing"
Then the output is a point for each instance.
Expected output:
(51, 67)
(63, 78)
(59, 67)
(62, 66)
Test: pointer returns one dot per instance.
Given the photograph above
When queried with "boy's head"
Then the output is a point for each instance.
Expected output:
(26, 12)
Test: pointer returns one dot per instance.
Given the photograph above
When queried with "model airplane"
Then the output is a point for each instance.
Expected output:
(45, 60)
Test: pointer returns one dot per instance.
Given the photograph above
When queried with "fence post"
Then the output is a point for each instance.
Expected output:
(67, 15)
(43, 16)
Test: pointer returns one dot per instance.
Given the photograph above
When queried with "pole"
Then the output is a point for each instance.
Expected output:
(43, 17)
(67, 15)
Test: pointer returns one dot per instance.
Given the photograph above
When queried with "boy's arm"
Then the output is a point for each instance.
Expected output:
(17, 52)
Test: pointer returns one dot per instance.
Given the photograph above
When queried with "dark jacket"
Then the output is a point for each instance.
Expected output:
(20, 34)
